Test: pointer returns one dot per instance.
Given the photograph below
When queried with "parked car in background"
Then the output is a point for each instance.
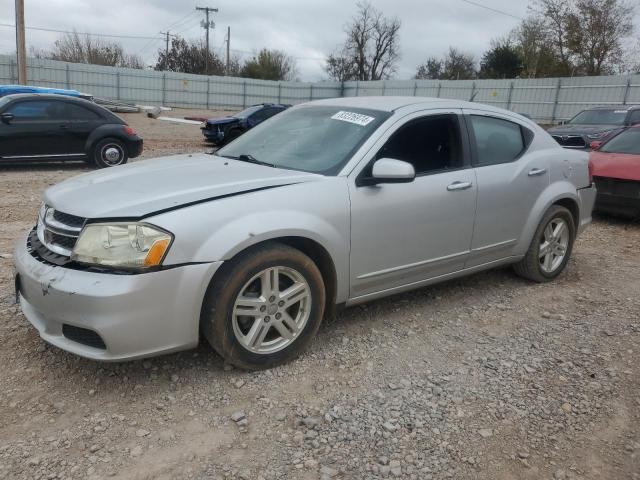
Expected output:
(59, 127)
(221, 131)
(599, 123)
(331, 203)
(14, 89)
(615, 166)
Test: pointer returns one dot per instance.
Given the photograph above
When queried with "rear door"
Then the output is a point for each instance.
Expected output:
(509, 179)
(36, 130)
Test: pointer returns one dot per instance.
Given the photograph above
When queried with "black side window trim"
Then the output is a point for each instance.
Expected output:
(527, 139)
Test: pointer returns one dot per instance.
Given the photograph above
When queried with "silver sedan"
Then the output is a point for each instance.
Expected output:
(329, 204)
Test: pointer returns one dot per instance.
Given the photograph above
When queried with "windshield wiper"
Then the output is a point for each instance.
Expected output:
(250, 159)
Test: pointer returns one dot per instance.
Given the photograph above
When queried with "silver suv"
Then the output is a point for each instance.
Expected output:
(328, 204)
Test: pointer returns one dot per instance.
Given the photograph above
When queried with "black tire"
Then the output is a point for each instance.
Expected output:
(103, 148)
(232, 135)
(217, 322)
(530, 266)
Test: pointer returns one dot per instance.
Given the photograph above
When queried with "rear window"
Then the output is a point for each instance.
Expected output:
(600, 117)
(626, 142)
(498, 141)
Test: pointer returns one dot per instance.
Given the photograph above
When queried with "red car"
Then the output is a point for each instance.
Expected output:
(615, 167)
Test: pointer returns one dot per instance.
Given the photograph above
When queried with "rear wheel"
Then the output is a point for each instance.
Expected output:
(551, 247)
(109, 152)
(265, 307)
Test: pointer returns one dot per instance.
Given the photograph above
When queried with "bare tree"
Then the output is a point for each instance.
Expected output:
(72, 47)
(371, 50)
(455, 65)
(595, 29)
(585, 35)
(554, 15)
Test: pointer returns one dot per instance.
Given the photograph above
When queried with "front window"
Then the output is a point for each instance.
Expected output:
(599, 117)
(626, 142)
(315, 139)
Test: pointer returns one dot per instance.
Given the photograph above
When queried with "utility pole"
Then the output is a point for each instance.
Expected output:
(228, 42)
(206, 26)
(166, 48)
(21, 47)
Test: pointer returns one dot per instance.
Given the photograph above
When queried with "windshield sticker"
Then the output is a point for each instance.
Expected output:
(351, 117)
(619, 111)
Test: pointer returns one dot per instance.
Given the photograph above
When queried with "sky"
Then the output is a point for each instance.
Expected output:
(306, 30)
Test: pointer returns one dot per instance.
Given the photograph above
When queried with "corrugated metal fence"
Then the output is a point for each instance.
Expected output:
(547, 100)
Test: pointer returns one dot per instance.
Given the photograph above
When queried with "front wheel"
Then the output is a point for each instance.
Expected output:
(551, 247)
(264, 307)
(109, 152)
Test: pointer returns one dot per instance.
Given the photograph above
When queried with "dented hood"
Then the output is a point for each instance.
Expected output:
(143, 188)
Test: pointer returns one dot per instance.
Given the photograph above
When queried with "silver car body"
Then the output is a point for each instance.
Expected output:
(380, 239)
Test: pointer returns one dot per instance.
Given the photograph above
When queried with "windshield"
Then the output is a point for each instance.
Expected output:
(626, 142)
(247, 111)
(315, 139)
(600, 117)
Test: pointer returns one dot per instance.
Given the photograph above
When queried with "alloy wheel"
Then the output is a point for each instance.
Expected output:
(554, 245)
(271, 310)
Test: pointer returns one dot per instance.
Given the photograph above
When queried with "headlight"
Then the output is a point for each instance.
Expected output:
(600, 134)
(124, 245)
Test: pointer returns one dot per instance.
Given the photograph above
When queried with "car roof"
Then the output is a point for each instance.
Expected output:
(391, 104)
(46, 96)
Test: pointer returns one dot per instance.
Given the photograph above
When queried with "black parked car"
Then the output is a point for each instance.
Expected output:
(57, 127)
(595, 124)
(221, 131)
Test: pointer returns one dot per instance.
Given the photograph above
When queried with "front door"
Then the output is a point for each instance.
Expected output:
(36, 130)
(405, 233)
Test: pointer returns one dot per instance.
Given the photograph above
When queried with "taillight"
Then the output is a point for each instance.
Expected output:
(129, 131)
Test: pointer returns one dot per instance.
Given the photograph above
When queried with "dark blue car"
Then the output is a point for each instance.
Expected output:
(221, 131)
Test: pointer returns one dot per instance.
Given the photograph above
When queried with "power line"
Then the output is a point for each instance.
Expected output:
(176, 23)
(138, 37)
(492, 9)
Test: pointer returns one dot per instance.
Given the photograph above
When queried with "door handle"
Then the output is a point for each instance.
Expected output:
(459, 186)
(535, 172)
(64, 126)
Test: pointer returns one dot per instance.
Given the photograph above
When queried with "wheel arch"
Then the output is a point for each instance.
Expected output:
(102, 132)
(311, 248)
(560, 193)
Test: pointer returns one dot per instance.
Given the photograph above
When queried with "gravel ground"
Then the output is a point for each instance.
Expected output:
(485, 377)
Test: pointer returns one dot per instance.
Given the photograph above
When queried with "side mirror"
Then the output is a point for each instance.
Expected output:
(562, 122)
(595, 144)
(389, 170)
(6, 118)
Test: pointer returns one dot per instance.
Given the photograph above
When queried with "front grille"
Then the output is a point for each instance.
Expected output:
(84, 336)
(42, 253)
(59, 231)
(68, 219)
(63, 240)
(570, 141)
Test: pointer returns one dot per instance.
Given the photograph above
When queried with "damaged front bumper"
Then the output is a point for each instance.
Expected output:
(112, 317)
